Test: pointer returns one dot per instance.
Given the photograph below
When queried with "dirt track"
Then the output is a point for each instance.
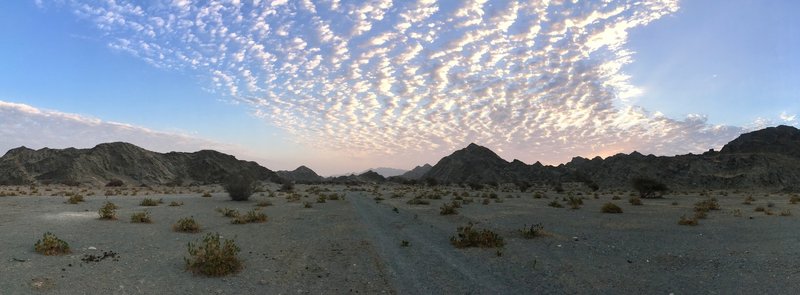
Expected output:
(353, 246)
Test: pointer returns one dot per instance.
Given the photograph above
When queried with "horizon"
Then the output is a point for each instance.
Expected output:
(344, 86)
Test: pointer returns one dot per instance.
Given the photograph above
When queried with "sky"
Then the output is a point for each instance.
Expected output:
(342, 86)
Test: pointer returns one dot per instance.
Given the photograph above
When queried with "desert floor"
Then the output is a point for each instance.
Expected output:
(353, 245)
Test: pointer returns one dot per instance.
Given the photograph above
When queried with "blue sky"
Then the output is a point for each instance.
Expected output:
(346, 85)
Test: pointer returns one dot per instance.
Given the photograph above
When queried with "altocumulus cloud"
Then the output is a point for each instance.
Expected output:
(21, 124)
(536, 80)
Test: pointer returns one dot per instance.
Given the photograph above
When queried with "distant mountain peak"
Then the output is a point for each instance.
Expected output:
(778, 140)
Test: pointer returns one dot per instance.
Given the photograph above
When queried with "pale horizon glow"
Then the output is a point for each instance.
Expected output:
(343, 86)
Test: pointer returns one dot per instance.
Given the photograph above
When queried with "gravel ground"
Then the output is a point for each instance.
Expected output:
(354, 246)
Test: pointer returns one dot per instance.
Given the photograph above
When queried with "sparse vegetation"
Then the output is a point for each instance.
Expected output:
(648, 188)
(533, 231)
(448, 209)
(175, 204)
(306, 204)
(786, 212)
(748, 200)
(148, 202)
(228, 212)
(252, 216)
(186, 225)
(555, 204)
(467, 236)
(635, 201)
(206, 195)
(75, 199)
(687, 221)
(51, 245)
(405, 243)
(141, 217)
(212, 257)
(264, 203)
(418, 201)
(574, 202)
(706, 205)
(611, 208)
(794, 199)
(108, 211)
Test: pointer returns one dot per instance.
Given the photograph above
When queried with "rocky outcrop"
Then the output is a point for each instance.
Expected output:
(302, 174)
(123, 161)
(417, 172)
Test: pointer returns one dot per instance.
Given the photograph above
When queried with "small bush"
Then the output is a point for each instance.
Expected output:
(51, 245)
(115, 183)
(467, 236)
(186, 225)
(75, 199)
(418, 201)
(175, 204)
(574, 202)
(239, 187)
(287, 187)
(333, 197)
(794, 200)
(759, 209)
(148, 202)
(228, 212)
(252, 216)
(108, 211)
(306, 204)
(616, 198)
(206, 195)
(687, 221)
(707, 205)
(447, 209)
(555, 204)
(635, 201)
(405, 243)
(264, 203)
(748, 200)
(141, 217)
(648, 188)
(532, 231)
(212, 257)
(611, 208)
(786, 212)
(321, 199)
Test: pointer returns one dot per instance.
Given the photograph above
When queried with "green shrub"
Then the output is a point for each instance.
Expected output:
(239, 187)
(148, 202)
(51, 245)
(212, 257)
(447, 209)
(75, 199)
(252, 216)
(532, 231)
(611, 208)
(108, 211)
(186, 225)
(648, 188)
(141, 217)
(467, 236)
(228, 212)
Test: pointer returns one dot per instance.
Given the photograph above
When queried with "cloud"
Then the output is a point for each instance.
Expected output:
(25, 125)
(788, 118)
(540, 80)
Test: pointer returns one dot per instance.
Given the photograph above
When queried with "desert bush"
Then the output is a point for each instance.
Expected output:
(75, 199)
(737, 213)
(212, 257)
(794, 199)
(239, 187)
(333, 197)
(115, 183)
(141, 217)
(447, 209)
(418, 201)
(206, 195)
(759, 209)
(287, 187)
(574, 202)
(700, 214)
(533, 231)
(306, 204)
(264, 203)
(648, 188)
(467, 236)
(555, 204)
(227, 212)
(707, 205)
(687, 221)
(611, 208)
(748, 200)
(538, 195)
(635, 201)
(51, 245)
(616, 198)
(321, 199)
(786, 212)
(108, 211)
(175, 204)
(186, 225)
(148, 202)
(405, 243)
(486, 201)
(252, 216)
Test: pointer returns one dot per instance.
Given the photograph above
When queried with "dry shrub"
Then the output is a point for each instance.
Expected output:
(467, 236)
(186, 225)
(212, 257)
(611, 208)
(51, 245)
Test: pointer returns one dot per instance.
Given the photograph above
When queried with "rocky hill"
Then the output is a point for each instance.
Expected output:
(302, 174)
(123, 161)
(764, 159)
(417, 172)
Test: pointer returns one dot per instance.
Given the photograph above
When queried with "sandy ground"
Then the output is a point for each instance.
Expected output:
(354, 246)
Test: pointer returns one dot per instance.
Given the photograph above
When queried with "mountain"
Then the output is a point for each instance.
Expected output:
(123, 161)
(386, 172)
(417, 172)
(302, 174)
(764, 159)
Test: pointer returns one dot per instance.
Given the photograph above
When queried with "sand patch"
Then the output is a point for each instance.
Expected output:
(70, 215)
